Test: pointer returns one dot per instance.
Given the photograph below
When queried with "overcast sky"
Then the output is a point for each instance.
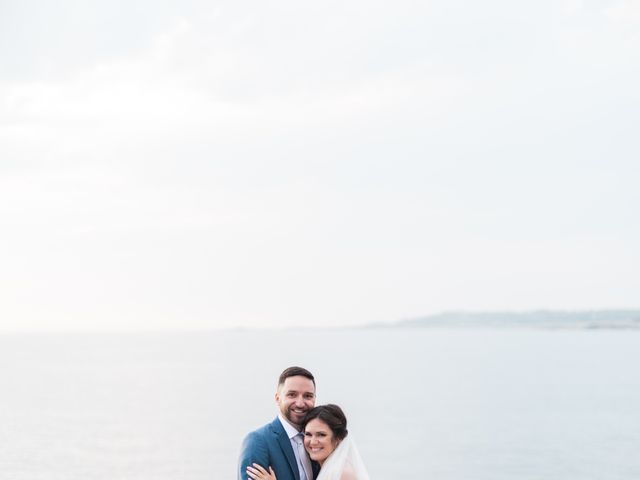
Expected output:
(212, 164)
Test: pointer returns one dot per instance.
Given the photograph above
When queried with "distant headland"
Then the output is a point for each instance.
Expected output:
(546, 319)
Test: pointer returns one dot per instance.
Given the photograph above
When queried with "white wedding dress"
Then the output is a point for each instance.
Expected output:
(345, 458)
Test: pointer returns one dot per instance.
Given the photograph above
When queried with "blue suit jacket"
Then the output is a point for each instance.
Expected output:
(270, 446)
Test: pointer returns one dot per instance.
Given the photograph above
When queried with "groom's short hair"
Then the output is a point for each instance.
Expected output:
(294, 372)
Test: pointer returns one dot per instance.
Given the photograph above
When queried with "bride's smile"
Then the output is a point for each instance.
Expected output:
(318, 440)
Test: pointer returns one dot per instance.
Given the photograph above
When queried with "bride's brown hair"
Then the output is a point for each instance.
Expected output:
(332, 415)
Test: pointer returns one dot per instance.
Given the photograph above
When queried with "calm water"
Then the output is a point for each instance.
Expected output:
(425, 404)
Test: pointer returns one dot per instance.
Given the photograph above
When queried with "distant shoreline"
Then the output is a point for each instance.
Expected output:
(612, 319)
(543, 319)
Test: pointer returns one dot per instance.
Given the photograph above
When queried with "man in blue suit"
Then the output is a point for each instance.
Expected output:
(279, 444)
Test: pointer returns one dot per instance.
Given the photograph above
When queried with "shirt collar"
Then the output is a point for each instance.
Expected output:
(290, 429)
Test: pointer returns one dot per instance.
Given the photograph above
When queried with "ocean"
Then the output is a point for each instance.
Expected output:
(446, 404)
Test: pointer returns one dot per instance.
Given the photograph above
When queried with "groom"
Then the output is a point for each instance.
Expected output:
(279, 443)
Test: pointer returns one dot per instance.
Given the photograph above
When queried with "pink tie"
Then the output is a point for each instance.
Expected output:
(304, 458)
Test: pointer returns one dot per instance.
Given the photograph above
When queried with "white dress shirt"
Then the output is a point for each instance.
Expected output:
(296, 438)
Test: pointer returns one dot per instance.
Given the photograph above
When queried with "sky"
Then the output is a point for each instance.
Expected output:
(197, 165)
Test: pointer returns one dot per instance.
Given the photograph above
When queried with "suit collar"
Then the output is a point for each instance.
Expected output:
(285, 445)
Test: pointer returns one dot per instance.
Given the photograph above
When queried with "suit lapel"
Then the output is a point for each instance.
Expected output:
(315, 466)
(285, 445)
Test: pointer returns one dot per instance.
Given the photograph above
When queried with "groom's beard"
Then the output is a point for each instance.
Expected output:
(295, 415)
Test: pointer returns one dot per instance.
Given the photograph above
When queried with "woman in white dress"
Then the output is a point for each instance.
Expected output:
(327, 442)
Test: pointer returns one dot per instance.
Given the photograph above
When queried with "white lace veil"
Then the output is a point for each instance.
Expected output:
(344, 457)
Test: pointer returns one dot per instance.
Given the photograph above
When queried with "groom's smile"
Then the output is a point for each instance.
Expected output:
(295, 398)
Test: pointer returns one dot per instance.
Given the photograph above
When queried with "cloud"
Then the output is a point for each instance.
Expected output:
(242, 165)
(625, 12)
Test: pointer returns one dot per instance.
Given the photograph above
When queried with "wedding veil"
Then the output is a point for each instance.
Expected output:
(344, 458)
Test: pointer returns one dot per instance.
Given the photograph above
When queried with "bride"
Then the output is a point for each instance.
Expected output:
(327, 442)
